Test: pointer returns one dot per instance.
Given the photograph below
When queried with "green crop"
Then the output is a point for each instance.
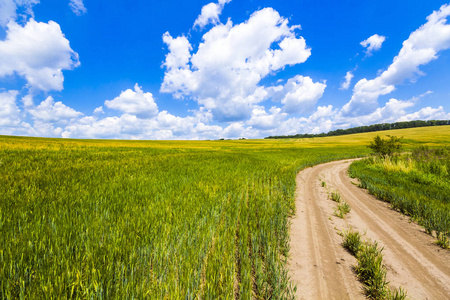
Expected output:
(178, 220)
(154, 219)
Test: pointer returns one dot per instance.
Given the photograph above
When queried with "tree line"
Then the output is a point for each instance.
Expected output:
(369, 128)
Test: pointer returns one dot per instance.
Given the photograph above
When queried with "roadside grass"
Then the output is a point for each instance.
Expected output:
(416, 184)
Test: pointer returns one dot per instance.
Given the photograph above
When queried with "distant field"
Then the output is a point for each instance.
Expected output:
(157, 219)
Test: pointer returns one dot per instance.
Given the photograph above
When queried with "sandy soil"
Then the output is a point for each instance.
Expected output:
(320, 266)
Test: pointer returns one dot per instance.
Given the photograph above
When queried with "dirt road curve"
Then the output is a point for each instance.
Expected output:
(321, 267)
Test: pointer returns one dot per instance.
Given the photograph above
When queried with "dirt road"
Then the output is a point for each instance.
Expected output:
(320, 266)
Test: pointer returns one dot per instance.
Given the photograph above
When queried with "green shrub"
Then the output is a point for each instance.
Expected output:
(386, 147)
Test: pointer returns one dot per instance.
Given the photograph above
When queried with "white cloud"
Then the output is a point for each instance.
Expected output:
(39, 52)
(301, 94)
(426, 113)
(210, 13)
(373, 43)
(99, 110)
(419, 49)
(8, 10)
(348, 79)
(179, 52)
(262, 120)
(77, 7)
(9, 112)
(134, 103)
(223, 76)
(51, 111)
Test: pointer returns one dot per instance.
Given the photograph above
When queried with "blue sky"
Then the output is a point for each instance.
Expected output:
(222, 69)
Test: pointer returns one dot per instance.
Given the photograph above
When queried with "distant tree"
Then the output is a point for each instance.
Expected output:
(386, 147)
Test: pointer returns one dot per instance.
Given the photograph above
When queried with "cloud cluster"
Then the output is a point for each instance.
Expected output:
(224, 75)
(419, 49)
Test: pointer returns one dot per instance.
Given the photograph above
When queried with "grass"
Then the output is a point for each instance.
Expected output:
(335, 196)
(154, 219)
(119, 220)
(342, 208)
(416, 184)
(352, 241)
(370, 269)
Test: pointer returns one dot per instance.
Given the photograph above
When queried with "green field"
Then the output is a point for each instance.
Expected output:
(157, 219)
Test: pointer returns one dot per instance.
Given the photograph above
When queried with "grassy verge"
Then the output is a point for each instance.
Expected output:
(416, 184)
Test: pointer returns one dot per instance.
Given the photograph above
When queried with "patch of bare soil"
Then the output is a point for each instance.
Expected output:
(323, 269)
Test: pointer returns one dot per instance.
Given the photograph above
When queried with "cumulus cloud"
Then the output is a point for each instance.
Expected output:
(38, 52)
(51, 111)
(77, 7)
(134, 103)
(373, 43)
(348, 79)
(223, 76)
(419, 49)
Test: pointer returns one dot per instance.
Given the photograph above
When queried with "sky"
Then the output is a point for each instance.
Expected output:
(223, 69)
